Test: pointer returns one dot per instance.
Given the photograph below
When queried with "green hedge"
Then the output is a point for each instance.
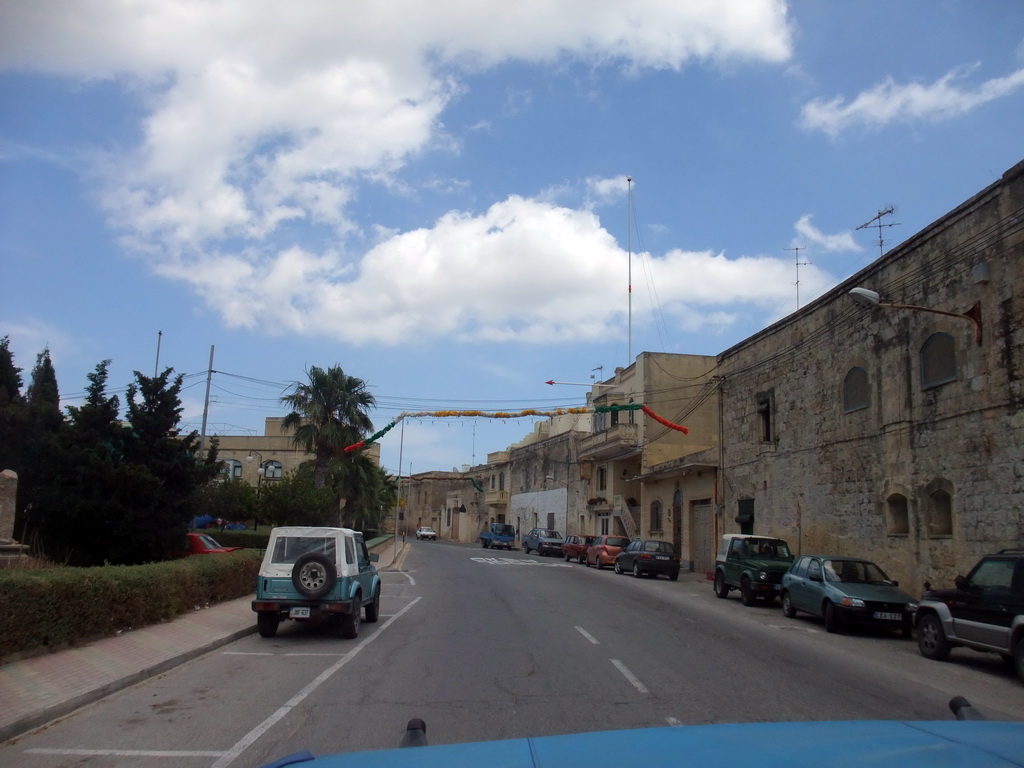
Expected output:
(47, 609)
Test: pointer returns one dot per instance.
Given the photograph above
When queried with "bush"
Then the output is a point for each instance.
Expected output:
(48, 609)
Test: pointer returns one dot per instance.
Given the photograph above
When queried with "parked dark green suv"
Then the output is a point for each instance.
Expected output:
(752, 564)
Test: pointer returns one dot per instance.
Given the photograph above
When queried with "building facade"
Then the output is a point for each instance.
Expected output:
(891, 431)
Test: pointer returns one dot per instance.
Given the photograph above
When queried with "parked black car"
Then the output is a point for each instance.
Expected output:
(985, 611)
(648, 557)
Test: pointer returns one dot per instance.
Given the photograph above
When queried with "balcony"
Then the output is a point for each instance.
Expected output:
(614, 442)
(496, 498)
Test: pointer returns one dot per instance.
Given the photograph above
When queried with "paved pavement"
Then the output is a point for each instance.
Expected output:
(36, 691)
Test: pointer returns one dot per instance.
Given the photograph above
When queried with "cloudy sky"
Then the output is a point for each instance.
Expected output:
(434, 195)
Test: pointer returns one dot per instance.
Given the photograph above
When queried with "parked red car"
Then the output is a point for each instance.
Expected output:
(204, 544)
(575, 547)
(604, 549)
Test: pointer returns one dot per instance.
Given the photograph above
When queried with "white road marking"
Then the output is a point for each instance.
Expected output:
(517, 561)
(587, 635)
(247, 741)
(629, 676)
(264, 653)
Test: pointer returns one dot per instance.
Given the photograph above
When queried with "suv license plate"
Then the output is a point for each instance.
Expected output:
(299, 613)
(888, 616)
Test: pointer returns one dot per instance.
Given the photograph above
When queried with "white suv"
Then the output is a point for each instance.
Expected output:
(316, 574)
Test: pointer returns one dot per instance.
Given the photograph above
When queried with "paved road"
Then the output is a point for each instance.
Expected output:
(486, 645)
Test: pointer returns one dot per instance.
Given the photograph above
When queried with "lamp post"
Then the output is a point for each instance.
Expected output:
(871, 299)
(259, 479)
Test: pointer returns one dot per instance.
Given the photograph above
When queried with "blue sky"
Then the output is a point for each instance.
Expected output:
(434, 195)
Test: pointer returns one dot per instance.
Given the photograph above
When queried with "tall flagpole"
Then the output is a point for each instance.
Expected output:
(629, 241)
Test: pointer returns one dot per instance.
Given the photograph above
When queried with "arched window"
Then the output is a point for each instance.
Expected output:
(856, 395)
(897, 518)
(938, 360)
(940, 513)
(231, 468)
(273, 470)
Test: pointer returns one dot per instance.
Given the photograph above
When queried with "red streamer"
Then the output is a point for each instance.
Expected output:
(666, 422)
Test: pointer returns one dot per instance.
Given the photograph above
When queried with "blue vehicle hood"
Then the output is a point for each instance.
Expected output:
(861, 743)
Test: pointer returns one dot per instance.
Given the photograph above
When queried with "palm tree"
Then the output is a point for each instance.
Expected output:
(328, 414)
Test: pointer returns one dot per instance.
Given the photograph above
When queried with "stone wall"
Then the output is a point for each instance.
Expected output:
(874, 481)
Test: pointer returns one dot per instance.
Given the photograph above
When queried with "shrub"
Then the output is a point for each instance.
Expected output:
(44, 610)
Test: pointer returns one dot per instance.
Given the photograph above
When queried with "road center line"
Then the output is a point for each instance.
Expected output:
(587, 635)
(246, 741)
(629, 676)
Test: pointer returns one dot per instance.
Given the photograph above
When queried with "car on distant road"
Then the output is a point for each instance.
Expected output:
(846, 590)
(752, 564)
(984, 612)
(425, 533)
(204, 544)
(604, 550)
(648, 557)
(575, 547)
(316, 574)
(545, 541)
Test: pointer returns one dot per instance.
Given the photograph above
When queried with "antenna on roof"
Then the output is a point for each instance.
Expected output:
(877, 222)
(799, 264)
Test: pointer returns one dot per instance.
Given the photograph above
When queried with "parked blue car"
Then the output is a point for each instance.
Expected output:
(846, 590)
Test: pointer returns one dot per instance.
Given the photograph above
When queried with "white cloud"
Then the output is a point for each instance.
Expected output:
(265, 116)
(808, 233)
(889, 102)
(525, 270)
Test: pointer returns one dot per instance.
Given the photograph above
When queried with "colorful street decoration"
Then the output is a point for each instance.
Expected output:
(514, 415)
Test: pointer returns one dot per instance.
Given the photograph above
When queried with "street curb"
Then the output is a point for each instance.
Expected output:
(56, 711)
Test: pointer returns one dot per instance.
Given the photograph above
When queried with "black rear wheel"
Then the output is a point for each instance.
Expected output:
(267, 622)
(721, 590)
(787, 606)
(350, 624)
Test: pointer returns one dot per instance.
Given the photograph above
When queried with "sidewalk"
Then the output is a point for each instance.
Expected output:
(35, 691)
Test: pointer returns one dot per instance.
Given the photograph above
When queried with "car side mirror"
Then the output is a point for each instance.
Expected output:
(374, 557)
(961, 583)
(815, 577)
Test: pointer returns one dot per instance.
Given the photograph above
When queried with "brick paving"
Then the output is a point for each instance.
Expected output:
(37, 690)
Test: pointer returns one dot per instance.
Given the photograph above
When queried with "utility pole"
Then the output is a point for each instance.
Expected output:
(206, 404)
(877, 222)
(156, 368)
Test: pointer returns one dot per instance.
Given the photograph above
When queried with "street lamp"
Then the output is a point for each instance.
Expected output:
(259, 479)
(871, 299)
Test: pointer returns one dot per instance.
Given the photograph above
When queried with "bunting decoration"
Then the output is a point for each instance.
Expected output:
(515, 415)
(479, 488)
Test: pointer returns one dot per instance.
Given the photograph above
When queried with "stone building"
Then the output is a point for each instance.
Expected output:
(266, 458)
(648, 480)
(892, 431)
